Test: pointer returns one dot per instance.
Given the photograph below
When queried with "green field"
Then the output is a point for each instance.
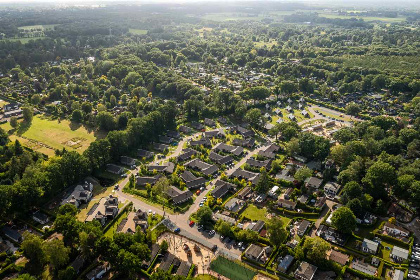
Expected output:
(42, 27)
(46, 135)
(254, 213)
(23, 40)
(205, 277)
(232, 16)
(137, 31)
(231, 270)
(383, 19)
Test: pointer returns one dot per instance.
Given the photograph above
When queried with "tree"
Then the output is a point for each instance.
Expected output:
(14, 122)
(343, 220)
(128, 263)
(292, 147)
(351, 190)
(161, 186)
(56, 253)
(378, 177)
(204, 216)
(164, 246)
(77, 116)
(355, 206)
(303, 173)
(105, 121)
(67, 274)
(316, 249)
(28, 114)
(223, 228)
(263, 184)
(254, 117)
(32, 248)
(276, 231)
(353, 109)
(35, 99)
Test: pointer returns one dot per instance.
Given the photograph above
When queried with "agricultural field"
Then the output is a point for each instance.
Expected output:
(382, 19)
(45, 135)
(231, 269)
(232, 16)
(137, 31)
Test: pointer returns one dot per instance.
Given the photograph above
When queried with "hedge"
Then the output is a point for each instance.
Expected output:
(7, 270)
(191, 272)
(297, 214)
(393, 240)
(152, 263)
(361, 274)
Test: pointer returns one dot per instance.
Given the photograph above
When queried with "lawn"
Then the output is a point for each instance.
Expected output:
(231, 270)
(285, 113)
(385, 250)
(254, 213)
(205, 277)
(137, 31)
(45, 135)
(113, 229)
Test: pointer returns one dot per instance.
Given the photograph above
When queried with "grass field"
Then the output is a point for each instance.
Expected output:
(205, 277)
(232, 16)
(231, 270)
(23, 40)
(383, 19)
(254, 213)
(46, 135)
(137, 31)
(42, 27)
(285, 113)
(267, 44)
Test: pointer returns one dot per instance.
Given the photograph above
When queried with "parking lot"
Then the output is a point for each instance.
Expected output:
(199, 255)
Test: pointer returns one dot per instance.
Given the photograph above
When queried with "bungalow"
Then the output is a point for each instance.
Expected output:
(234, 204)
(218, 133)
(128, 161)
(168, 261)
(197, 125)
(313, 183)
(287, 193)
(305, 271)
(303, 198)
(395, 230)
(222, 120)
(183, 269)
(186, 154)
(363, 267)
(285, 174)
(337, 257)
(98, 272)
(106, 208)
(114, 169)
(143, 181)
(166, 167)
(331, 235)
(258, 163)
(285, 263)
(40, 217)
(277, 111)
(331, 189)
(242, 131)
(177, 196)
(244, 193)
(202, 142)
(247, 175)
(145, 154)
(166, 140)
(218, 216)
(303, 227)
(81, 194)
(12, 234)
(219, 159)
(399, 254)
(173, 134)
(370, 246)
(203, 167)
(184, 129)
(329, 123)
(320, 202)
(287, 204)
(209, 122)
(268, 126)
(134, 220)
(273, 191)
(267, 116)
(270, 151)
(191, 181)
(160, 147)
(13, 113)
(398, 275)
(222, 188)
(78, 264)
(223, 147)
(305, 113)
(289, 109)
(258, 253)
(256, 226)
(246, 143)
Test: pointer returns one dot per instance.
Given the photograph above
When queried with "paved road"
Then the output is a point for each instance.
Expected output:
(182, 219)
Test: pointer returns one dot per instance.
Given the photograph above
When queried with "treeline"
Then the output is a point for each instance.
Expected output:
(314, 18)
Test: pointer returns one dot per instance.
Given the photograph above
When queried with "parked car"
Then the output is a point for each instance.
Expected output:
(191, 223)
(177, 230)
(212, 232)
(200, 227)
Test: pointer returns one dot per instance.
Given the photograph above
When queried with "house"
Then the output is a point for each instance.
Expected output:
(285, 263)
(234, 204)
(154, 251)
(242, 131)
(197, 126)
(184, 129)
(40, 217)
(331, 189)
(258, 163)
(160, 147)
(166, 140)
(184, 269)
(268, 126)
(105, 209)
(114, 169)
(223, 147)
(128, 161)
(145, 154)
(270, 151)
(218, 216)
(288, 193)
(202, 142)
(313, 182)
(246, 143)
(78, 264)
(363, 267)
(143, 181)
(209, 122)
(173, 134)
(273, 191)
(14, 113)
(80, 194)
(168, 167)
(186, 154)
(395, 230)
(12, 234)
(98, 271)
(244, 193)
(222, 188)
(168, 261)
(218, 133)
(370, 246)
(303, 198)
(398, 275)
(177, 196)
(330, 234)
(219, 159)
(258, 253)
(287, 204)
(305, 271)
(303, 227)
(191, 181)
(222, 120)
(203, 167)
(134, 220)
(399, 254)
(247, 175)
(256, 226)
(337, 257)
(320, 202)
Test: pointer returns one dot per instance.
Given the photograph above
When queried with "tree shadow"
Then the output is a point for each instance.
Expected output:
(74, 125)
(23, 127)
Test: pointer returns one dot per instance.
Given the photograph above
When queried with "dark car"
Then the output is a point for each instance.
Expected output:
(177, 230)
(214, 248)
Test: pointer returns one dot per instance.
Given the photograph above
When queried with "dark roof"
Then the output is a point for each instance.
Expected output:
(243, 131)
(306, 270)
(186, 154)
(209, 122)
(244, 142)
(258, 163)
(221, 189)
(40, 216)
(167, 167)
(247, 175)
(167, 261)
(141, 181)
(160, 147)
(203, 141)
(313, 182)
(285, 263)
(258, 226)
(219, 158)
(214, 133)
(144, 153)
(11, 233)
(114, 168)
(165, 139)
(177, 195)
(229, 149)
(127, 160)
(205, 168)
(183, 269)
(197, 125)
